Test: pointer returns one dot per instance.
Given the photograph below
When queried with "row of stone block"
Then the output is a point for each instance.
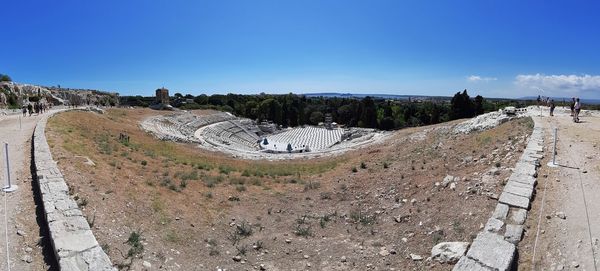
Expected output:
(73, 242)
(495, 247)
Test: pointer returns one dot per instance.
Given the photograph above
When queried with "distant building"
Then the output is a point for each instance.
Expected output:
(162, 96)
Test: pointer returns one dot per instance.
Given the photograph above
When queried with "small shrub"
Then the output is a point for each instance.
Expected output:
(240, 188)
(244, 229)
(312, 185)
(225, 169)
(303, 230)
(165, 182)
(135, 241)
(385, 165)
(241, 250)
(363, 165)
(174, 187)
(144, 162)
(354, 169)
(213, 251)
(325, 195)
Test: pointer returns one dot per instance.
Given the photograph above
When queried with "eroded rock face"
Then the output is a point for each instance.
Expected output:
(449, 252)
(56, 96)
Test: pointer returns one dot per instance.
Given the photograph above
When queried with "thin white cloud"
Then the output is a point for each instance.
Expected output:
(477, 78)
(560, 84)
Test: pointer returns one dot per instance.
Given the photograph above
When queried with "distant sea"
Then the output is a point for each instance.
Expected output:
(406, 97)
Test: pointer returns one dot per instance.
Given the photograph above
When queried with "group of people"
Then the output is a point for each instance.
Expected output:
(575, 106)
(575, 109)
(36, 108)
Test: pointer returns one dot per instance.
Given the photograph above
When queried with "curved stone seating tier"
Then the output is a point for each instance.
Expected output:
(316, 138)
(230, 133)
(181, 126)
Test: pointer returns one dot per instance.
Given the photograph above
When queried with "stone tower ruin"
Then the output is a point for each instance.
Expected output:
(162, 96)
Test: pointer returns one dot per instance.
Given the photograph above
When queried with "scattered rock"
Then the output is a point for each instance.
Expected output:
(561, 215)
(20, 233)
(416, 257)
(447, 180)
(343, 259)
(237, 258)
(449, 252)
(147, 264)
(384, 252)
(27, 258)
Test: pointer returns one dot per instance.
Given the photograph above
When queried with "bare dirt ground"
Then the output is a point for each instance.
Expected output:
(572, 188)
(24, 229)
(174, 206)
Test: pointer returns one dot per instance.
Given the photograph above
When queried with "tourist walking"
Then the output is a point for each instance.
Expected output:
(24, 109)
(577, 108)
(573, 107)
(30, 109)
(552, 105)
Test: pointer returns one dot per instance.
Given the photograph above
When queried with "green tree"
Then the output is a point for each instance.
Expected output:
(270, 109)
(479, 105)
(5, 78)
(201, 99)
(316, 117)
(368, 116)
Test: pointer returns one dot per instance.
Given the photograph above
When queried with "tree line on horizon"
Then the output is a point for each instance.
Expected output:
(290, 110)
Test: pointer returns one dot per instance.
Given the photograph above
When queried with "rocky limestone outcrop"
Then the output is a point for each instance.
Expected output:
(12, 93)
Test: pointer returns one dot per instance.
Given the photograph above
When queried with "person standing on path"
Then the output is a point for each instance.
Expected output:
(573, 107)
(577, 107)
(552, 105)
(30, 109)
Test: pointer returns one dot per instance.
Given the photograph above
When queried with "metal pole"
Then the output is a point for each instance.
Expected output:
(554, 149)
(9, 187)
(553, 163)
(7, 165)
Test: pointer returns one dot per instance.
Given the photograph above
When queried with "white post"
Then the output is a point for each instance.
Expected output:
(9, 188)
(553, 163)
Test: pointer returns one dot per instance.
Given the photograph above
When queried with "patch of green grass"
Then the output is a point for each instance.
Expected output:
(224, 169)
(186, 176)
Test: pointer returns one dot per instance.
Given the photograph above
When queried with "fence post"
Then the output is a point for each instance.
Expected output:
(9, 187)
(553, 162)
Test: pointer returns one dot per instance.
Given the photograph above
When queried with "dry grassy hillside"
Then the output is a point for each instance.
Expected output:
(178, 207)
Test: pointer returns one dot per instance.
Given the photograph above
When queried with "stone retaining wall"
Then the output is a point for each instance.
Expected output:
(73, 242)
(495, 247)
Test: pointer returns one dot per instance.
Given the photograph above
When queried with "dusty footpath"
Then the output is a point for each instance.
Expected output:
(20, 241)
(564, 225)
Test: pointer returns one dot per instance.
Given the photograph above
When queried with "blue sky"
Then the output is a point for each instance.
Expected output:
(492, 48)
